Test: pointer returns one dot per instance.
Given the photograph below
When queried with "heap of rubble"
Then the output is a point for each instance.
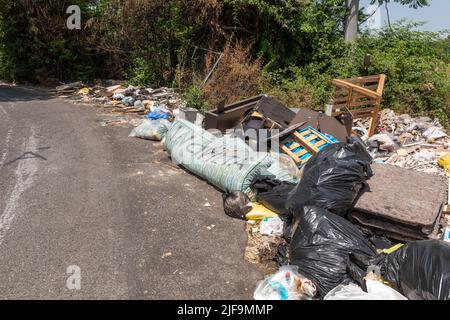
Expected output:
(409, 142)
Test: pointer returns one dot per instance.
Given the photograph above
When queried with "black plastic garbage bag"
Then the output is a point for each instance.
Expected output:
(273, 194)
(420, 270)
(321, 244)
(334, 178)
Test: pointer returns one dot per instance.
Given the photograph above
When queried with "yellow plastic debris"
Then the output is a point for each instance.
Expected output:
(83, 91)
(259, 212)
(444, 162)
(392, 249)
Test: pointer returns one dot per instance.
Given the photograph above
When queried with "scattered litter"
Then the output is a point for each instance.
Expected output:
(376, 290)
(157, 113)
(83, 91)
(167, 254)
(207, 204)
(260, 248)
(433, 133)
(124, 99)
(128, 101)
(444, 162)
(272, 226)
(286, 284)
(118, 96)
(151, 129)
(259, 212)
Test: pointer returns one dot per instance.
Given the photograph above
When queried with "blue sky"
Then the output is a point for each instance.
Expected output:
(436, 15)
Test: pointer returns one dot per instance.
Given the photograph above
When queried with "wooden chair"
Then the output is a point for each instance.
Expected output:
(361, 96)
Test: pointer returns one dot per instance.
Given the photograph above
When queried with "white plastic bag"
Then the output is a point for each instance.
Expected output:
(375, 291)
(151, 129)
(286, 284)
(271, 226)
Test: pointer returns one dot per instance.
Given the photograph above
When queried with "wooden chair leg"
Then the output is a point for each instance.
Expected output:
(374, 121)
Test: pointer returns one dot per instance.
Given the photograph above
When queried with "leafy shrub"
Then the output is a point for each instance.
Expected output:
(195, 98)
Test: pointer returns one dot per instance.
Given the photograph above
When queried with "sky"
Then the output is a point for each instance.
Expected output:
(436, 15)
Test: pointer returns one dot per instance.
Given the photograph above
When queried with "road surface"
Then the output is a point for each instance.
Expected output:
(88, 213)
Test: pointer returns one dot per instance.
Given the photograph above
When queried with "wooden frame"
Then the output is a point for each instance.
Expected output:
(361, 96)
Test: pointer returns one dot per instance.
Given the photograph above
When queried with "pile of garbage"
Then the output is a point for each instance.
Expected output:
(299, 224)
(407, 142)
(122, 98)
(307, 214)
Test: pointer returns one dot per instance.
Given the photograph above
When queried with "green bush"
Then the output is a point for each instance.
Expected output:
(141, 73)
(195, 98)
(416, 64)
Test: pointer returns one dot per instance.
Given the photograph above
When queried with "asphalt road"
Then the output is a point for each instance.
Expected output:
(75, 193)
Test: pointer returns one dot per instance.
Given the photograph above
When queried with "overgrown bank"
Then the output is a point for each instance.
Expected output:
(291, 50)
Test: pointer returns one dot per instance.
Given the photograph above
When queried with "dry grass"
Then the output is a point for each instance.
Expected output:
(237, 75)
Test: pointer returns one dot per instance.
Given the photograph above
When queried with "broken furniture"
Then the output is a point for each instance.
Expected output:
(402, 203)
(321, 122)
(361, 96)
(259, 112)
(228, 116)
(304, 143)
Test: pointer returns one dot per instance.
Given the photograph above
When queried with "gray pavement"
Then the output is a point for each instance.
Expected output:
(75, 193)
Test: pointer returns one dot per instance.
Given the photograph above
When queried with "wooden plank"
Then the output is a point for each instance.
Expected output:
(305, 142)
(320, 143)
(355, 104)
(381, 84)
(293, 145)
(312, 137)
(373, 78)
(356, 88)
(359, 113)
(290, 154)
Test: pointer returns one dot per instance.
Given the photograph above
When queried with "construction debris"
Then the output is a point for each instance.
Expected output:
(407, 142)
(402, 204)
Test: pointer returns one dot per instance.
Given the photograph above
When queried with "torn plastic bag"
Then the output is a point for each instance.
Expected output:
(157, 113)
(334, 178)
(375, 291)
(420, 270)
(151, 129)
(271, 226)
(286, 284)
(236, 204)
(321, 244)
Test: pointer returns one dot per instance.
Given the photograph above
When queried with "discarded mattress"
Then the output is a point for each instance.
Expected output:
(402, 203)
(226, 162)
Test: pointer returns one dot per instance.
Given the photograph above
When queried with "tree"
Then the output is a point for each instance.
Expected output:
(351, 22)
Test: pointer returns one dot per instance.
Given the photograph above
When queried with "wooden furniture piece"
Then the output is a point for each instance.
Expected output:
(361, 96)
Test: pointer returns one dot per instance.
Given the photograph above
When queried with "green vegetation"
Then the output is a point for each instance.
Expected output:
(290, 49)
